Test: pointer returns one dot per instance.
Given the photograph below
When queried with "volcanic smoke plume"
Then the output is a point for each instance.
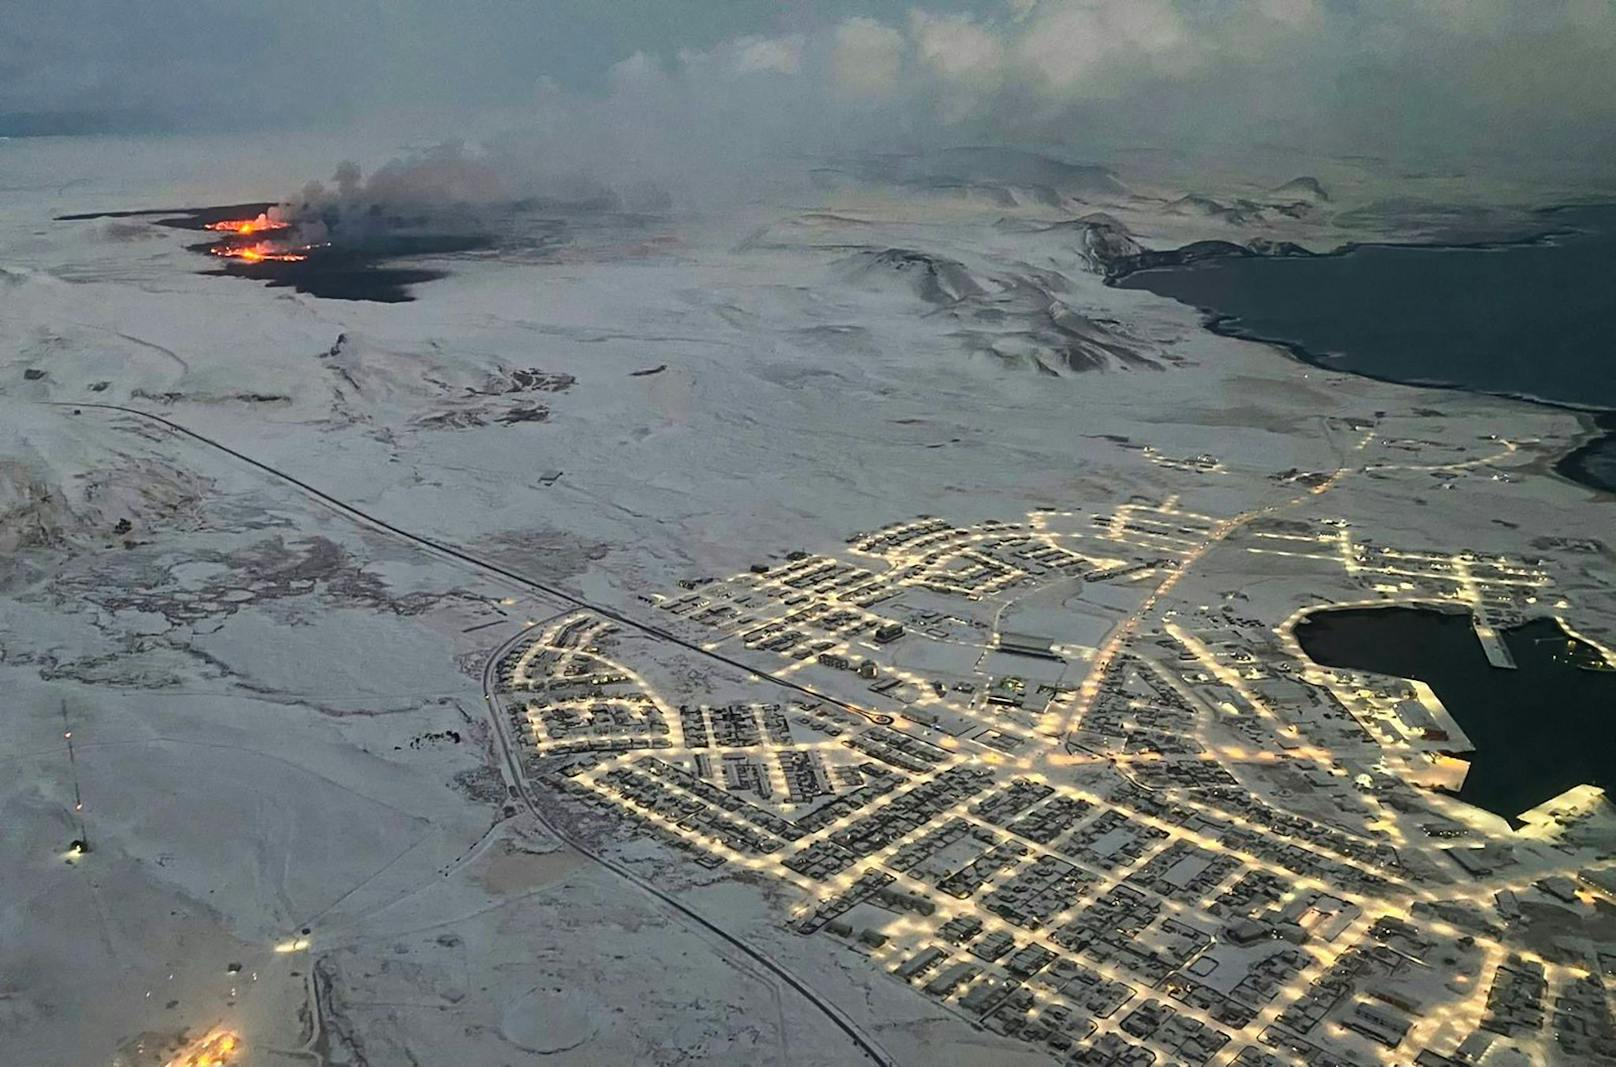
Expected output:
(441, 201)
(329, 238)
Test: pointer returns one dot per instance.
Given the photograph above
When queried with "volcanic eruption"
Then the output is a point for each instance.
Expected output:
(333, 240)
(260, 224)
(262, 238)
(328, 239)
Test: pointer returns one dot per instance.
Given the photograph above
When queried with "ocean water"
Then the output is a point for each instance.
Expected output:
(1538, 730)
(1529, 319)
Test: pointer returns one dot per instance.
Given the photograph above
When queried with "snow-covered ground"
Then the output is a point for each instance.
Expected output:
(276, 710)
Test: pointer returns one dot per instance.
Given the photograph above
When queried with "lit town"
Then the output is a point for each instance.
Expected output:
(872, 533)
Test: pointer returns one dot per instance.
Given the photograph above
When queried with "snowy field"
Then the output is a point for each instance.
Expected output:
(275, 695)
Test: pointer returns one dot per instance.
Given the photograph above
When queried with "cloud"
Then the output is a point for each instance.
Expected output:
(866, 59)
(1444, 79)
(691, 84)
(957, 48)
(773, 55)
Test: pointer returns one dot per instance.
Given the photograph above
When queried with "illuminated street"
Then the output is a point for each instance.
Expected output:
(1088, 857)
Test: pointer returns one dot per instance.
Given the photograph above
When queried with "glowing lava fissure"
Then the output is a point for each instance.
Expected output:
(218, 1048)
(262, 252)
(261, 224)
(299, 246)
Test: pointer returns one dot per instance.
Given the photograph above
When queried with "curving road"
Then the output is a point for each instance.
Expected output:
(866, 1043)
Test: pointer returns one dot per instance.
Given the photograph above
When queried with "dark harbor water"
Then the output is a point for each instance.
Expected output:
(1534, 319)
(1538, 730)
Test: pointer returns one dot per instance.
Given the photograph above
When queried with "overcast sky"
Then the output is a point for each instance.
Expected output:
(1407, 78)
(240, 63)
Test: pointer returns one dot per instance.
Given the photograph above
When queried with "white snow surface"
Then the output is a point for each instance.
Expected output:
(254, 682)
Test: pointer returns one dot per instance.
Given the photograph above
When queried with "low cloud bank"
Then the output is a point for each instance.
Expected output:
(692, 93)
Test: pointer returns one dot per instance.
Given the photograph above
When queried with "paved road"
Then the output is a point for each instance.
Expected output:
(460, 555)
(864, 1041)
(866, 1044)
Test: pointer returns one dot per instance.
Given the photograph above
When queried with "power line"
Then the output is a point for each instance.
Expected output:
(83, 843)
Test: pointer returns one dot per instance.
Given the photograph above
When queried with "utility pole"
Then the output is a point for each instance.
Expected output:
(82, 845)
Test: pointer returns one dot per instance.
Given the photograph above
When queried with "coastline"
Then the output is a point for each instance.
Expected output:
(1149, 259)
(1599, 423)
(1600, 436)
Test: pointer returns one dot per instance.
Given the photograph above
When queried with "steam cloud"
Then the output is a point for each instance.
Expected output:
(443, 189)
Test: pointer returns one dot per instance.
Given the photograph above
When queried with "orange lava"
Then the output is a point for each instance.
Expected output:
(259, 252)
(217, 1049)
(262, 224)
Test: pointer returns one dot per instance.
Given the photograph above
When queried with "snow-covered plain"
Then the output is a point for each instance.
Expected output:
(277, 715)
